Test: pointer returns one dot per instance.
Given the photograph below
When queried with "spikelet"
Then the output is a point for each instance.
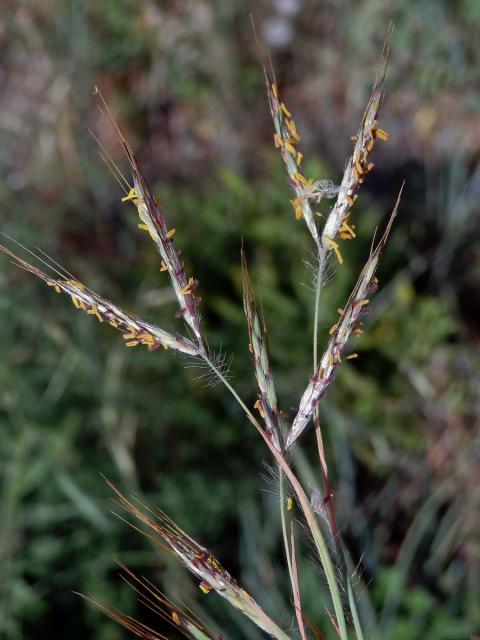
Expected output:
(267, 400)
(199, 561)
(358, 165)
(153, 221)
(340, 334)
(286, 139)
(135, 330)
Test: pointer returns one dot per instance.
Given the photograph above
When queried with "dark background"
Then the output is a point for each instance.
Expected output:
(402, 421)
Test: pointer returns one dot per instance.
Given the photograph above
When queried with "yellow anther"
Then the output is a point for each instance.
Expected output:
(163, 267)
(171, 233)
(133, 343)
(380, 133)
(259, 408)
(188, 288)
(299, 178)
(213, 562)
(274, 90)
(299, 158)
(93, 311)
(289, 147)
(144, 227)
(205, 587)
(277, 140)
(283, 107)
(75, 301)
(54, 284)
(352, 356)
(132, 195)
(334, 247)
(346, 231)
(76, 284)
(293, 130)
(175, 617)
(333, 329)
(113, 322)
(289, 504)
(297, 207)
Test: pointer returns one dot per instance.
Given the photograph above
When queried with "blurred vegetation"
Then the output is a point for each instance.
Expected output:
(402, 420)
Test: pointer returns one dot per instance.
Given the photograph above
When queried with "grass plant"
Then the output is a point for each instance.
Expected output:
(280, 432)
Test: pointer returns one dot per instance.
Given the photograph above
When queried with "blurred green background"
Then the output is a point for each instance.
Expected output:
(402, 420)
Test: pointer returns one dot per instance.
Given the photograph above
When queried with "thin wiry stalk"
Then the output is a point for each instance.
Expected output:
(320, 545)
(222, 378)
(296, 588)
(353, 609)
(322, 258)
(283, 520)
(222, 362)
(316, 319)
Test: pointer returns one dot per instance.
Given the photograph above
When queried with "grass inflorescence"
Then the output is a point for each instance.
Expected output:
(279, 434)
